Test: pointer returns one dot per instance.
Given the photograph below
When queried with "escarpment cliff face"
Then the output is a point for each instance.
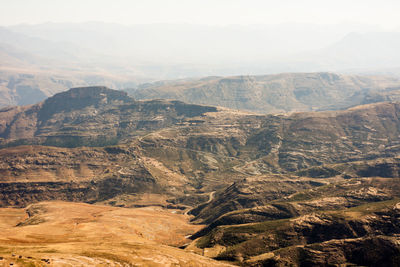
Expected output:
(33, 173)
(93, 116)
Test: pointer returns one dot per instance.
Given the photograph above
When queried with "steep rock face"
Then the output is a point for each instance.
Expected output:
(21, 194)
(32, 173)
(274, 93)
(91, 116)
(80, 98)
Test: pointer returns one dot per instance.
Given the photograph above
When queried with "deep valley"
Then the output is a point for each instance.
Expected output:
(168, 183)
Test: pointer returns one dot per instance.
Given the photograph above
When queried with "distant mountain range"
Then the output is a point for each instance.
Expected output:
(30, 86)
(40, 60)
(277, 93)
(357, 51)
(264, 94)
(196, 50)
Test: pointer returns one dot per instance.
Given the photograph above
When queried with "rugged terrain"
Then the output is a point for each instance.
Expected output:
(367, 235)
(160, 145)
(316, 188)
(276, 93)
(91, 116)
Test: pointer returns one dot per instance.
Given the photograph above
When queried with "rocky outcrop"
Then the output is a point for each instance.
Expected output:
(32, 174)
(92, 116)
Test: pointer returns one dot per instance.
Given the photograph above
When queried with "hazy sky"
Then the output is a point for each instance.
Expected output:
(384, 13)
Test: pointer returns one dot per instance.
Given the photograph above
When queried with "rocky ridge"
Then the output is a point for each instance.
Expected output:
(322, 238)
(280, 93)
(90, 116)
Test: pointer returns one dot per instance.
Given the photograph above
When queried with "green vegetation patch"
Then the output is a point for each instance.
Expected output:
(262, 227)
(369, 208)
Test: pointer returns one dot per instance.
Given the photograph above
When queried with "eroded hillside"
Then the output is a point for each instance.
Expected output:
(93, 116)
(269, 189)
(160, 146)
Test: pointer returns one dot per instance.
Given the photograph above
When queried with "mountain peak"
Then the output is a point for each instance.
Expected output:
(94, 92)
(82, 97)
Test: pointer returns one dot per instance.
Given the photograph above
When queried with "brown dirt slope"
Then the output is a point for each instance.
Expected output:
(71, 234)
